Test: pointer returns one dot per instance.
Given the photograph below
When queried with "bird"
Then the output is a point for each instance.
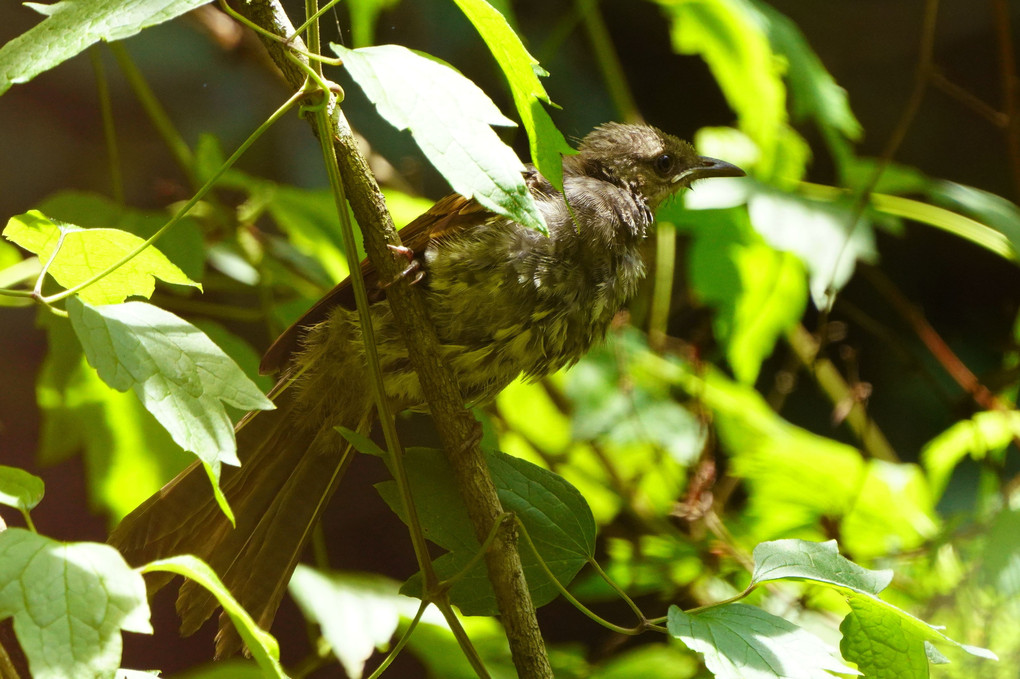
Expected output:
(506, 300)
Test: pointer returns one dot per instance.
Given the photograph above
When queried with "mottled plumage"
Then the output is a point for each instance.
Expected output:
(505, 300)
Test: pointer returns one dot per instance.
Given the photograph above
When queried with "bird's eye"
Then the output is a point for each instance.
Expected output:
(663, 164)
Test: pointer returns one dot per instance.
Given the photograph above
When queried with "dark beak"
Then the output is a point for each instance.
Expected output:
(709, 167)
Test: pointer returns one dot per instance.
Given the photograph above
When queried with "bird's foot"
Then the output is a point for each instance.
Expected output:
(413, 266)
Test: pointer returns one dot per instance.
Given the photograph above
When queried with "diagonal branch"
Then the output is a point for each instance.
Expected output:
(456, 426)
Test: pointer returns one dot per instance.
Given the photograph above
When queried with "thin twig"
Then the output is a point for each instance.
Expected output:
(952, 364)
(1010, 86)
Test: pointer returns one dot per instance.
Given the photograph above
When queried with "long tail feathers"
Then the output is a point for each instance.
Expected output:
(288, 474)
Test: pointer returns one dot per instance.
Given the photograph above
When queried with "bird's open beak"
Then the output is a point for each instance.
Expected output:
(709, 167)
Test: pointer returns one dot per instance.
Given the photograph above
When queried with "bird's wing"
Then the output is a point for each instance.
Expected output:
(448, 216)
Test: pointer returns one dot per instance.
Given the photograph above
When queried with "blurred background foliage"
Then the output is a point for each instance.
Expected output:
(804, 362)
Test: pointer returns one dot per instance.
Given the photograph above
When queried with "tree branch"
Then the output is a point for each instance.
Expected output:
(457, 429)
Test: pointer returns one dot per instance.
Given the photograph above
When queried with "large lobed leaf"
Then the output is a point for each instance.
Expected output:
(739, 641)
(79, 254)
(70, 602)
(176, 371)
(884, 641)
(357, 612)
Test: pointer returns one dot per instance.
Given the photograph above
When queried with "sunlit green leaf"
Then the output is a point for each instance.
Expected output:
(654, 661)
(522, 72)
(450, 119)
(19, 489)
(309, 219)
(758, 292)
(70, 27)
(70, 602)
(817, 561)
(739, 641)
(357, 612)
(731, 37)
(1000, 565)
(178, 374)
(182, 244)
(261, 644)
(987, 431)
(888, 643)
(814, 94)
(964, 211)
(989, 209)
(364, 14)
(83, 253)
(956, 224)
(437, 648)
(825, 236)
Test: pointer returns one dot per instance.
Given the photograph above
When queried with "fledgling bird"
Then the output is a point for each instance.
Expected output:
(505, 299)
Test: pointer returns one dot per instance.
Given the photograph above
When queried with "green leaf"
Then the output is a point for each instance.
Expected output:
(796, 478)
(739, 641)
(19, 489)
(310, 221)
(450, 118)
(888, 643)
(82, 253)
(126, 453)
(69, 602)
(947, 220)
(981, 217)
(178, 374)
(730, 36)
(814, 94)
(437, 648)
(70, 27)
(991, 210)
(261, 644)
(823, 235)
(815, 561)
(553, 512)
(1000, 563)
(883, 640)
(182, 244)
(522, 72)
(655, 661)
(987, 431)
(358, 613)
(758, 292)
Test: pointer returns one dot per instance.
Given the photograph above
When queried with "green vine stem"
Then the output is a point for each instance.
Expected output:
(401, 642)
(109, 129)
(587, 612)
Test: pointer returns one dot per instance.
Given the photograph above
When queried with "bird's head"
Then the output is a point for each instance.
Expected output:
(654, 163)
